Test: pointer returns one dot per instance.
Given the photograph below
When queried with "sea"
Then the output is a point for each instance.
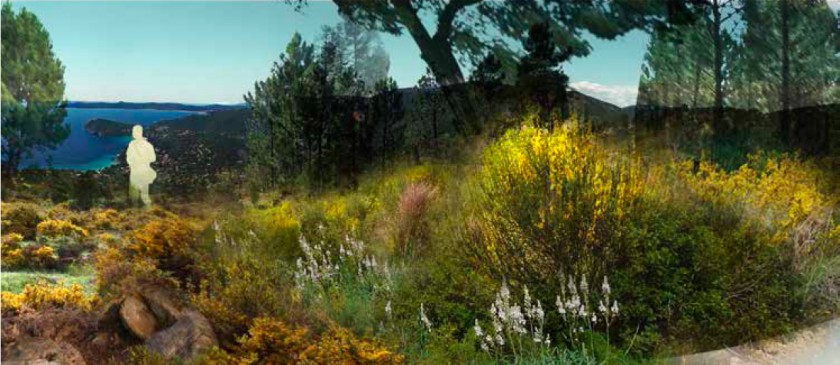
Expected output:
(84, 151)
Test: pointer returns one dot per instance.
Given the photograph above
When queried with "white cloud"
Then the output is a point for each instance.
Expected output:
(621, 95)
(834, 4)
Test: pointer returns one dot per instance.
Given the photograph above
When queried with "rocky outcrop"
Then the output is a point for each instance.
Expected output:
(153, 314)
(189, 336)
(137, 317)
(41, 351)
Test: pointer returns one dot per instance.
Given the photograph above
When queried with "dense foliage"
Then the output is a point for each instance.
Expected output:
(33, 88)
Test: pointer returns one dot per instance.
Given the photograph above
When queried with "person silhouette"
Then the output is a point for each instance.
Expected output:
(140, 155)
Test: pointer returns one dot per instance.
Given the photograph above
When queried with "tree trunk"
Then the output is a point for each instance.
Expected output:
(717, 117)
(13, 157)
(696, 92)
(438, 55)
(784, 116)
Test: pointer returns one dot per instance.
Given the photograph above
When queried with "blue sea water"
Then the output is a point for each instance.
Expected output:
(84, 151)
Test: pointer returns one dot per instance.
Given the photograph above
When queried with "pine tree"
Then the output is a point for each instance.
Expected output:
(540, 75)
(789, 47)
(33, 105)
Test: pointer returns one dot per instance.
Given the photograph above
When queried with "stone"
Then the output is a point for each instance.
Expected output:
(137, 317)
(162, 304)
(40, 351)
(189, 336)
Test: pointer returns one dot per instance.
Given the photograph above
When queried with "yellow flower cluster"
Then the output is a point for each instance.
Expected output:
(106, 219)
(19, 217)
(777, 193)
(271, 341)
(35, 256)
(163, 237)
(43, 295)
(53, 228)
(339, 346)
(276, 223)
(12, 254)
(43, 256)
(565, 168)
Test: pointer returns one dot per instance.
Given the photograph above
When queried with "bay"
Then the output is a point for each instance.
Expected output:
(84, 151)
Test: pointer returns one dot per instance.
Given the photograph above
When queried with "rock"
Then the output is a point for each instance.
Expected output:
(189, 336)
(41, 351)
(162, 304)
(137, 317)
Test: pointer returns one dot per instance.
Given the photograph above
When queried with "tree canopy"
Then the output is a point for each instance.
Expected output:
(33, 88)
(469, 29)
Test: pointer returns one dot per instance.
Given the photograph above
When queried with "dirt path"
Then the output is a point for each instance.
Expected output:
(818, 345)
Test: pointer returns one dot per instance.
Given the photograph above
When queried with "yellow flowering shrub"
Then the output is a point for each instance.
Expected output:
(545, 200)
(12, 238)
(162, 238)
(111, 266)
(271, 341)
(43, 256)
(107, 238)
(20, 218)
(340, 346)
(274, 342)
(43, 295)
(236, 291)
(12, 257)
(778, 194)
(10, 250)
(277, 225)
(54, 228)
(116, 270)
(33, 256)
(63, 212)
(106, 219)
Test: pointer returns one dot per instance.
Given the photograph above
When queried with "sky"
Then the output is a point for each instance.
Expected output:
(213, 52)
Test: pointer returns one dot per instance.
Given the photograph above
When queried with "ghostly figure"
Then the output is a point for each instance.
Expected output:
(140, 155)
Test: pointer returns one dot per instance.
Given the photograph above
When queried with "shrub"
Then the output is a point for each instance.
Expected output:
(270, 341)
(106, 219)
(41, 256)
(63, 212)
(21, 218)
(43, 295)
(116, 271)
(19, 255)
(277, 229)
(236, 292)
(706, 247)
(549, 201)
(53, 228)
(412, 229)
(162, 239)
(12, 254)
(161, 250)
(240, 284)
(776, 193)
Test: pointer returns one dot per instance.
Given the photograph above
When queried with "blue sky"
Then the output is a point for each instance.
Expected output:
(213, 52)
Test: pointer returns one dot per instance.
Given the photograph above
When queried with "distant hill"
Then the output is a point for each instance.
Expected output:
(222, 121)
(107, 128)
(600, 114)
(152, 105)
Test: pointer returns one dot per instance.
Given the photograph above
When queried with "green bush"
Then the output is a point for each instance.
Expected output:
(701, 256)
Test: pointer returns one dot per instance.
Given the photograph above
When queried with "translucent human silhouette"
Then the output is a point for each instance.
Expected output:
(140, 155)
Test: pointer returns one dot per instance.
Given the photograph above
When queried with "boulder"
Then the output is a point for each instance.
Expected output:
(40, 351)
(162, 303)
(189, 336)
(137, 317)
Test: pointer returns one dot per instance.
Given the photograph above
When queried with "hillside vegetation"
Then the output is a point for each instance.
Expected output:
(544, 246)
